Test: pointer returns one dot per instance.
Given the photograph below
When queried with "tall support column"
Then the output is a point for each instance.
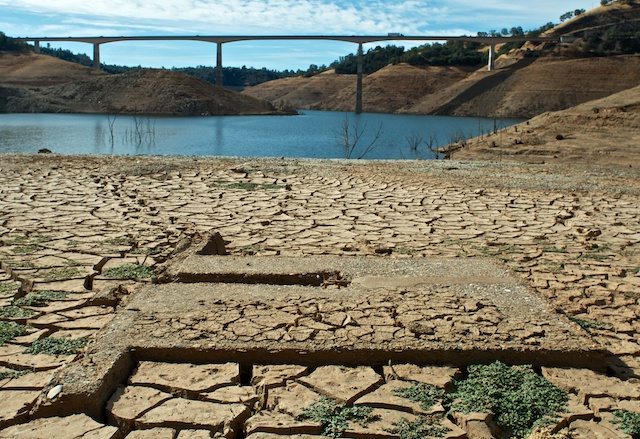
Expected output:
(96, 56)
(36, 46)
(492, 57)
(219, 76)
(359, 81)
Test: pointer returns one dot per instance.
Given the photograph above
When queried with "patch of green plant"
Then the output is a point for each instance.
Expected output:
(58, 346)
(146, 251)
(248, 186)
(627, 421)
(10, 330)
(72, 243)
(11, 374)
(25, 249)
(555, 250)
(61, 274)
(589, 324)
(518, 398)
(39, 298)
(72, 263)
(596, 256)
(21, 264)
(121, 240)
(421, 393)
(335, 417)
(15, 312)
(20, 239)
(421, 428)
(9, 287)
(130, 271)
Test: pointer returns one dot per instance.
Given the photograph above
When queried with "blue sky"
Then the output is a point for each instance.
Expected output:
(262, 17)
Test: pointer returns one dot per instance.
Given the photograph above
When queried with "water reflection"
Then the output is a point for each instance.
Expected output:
(314, 134)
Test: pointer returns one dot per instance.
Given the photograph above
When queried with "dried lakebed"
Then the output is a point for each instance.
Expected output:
(432, 273)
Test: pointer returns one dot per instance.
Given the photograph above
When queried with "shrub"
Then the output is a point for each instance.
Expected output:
(334, 417)
(58, 346)
(424, 394)
(419, 429)
(10, 330)
(130, 271)
(627, 421)
(518, 398)
(40, 298)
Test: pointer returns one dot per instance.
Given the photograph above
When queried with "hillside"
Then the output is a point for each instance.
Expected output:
(604, 59)
(392, 88)
(604, 131)
(31, 69)
(40, 83)
(387, 90)
(601, 16)
(533, 86)
(300, 91)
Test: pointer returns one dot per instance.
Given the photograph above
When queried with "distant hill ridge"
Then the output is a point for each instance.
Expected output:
(530, 79)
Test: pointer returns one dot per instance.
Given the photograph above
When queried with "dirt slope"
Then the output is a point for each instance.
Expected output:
(31, 69)
(393, 88)
(40, 83)
(600, 16)
(300, 92)
(604, 131)
(533, 86)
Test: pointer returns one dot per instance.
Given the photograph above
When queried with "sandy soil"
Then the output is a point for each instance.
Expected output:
(605, 131)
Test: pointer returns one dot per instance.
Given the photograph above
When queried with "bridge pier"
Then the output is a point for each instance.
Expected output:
(96, 56)
(219, 71)
(492, 57)
(359, 80)
(36, 46)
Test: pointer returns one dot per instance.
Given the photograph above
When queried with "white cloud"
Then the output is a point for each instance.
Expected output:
(290, 16)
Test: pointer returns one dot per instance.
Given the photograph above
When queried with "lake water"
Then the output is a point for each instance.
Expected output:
(312, 134)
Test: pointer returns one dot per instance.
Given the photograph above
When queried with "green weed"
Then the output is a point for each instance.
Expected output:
(627, 421)
(334, 417)
(10, 330)
(589, 324)
(8, 287)
(246, 186)
(40, 298)
(121, 240)
(20, 264)
(58, 346)
(61, 274)
(421, 393)
(11, 374)
(555, 250)
(15, 312)
(130, 271)
(25, 249)
(421, 428)
(518, 398)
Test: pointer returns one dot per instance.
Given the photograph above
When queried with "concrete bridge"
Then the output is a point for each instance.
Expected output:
(220, 40)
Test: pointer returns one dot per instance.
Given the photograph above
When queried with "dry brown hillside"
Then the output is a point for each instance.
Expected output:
(39, 83)
(31, 69)
(298, 91)
(602, 15)
(604, 131)
(393, 87)
(534, 86)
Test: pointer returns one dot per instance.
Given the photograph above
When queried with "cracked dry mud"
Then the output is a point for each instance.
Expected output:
(231, 360)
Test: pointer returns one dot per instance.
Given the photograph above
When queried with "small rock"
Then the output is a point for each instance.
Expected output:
(54, 392)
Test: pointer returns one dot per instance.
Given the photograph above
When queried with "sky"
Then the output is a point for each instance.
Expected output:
(62, 18)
